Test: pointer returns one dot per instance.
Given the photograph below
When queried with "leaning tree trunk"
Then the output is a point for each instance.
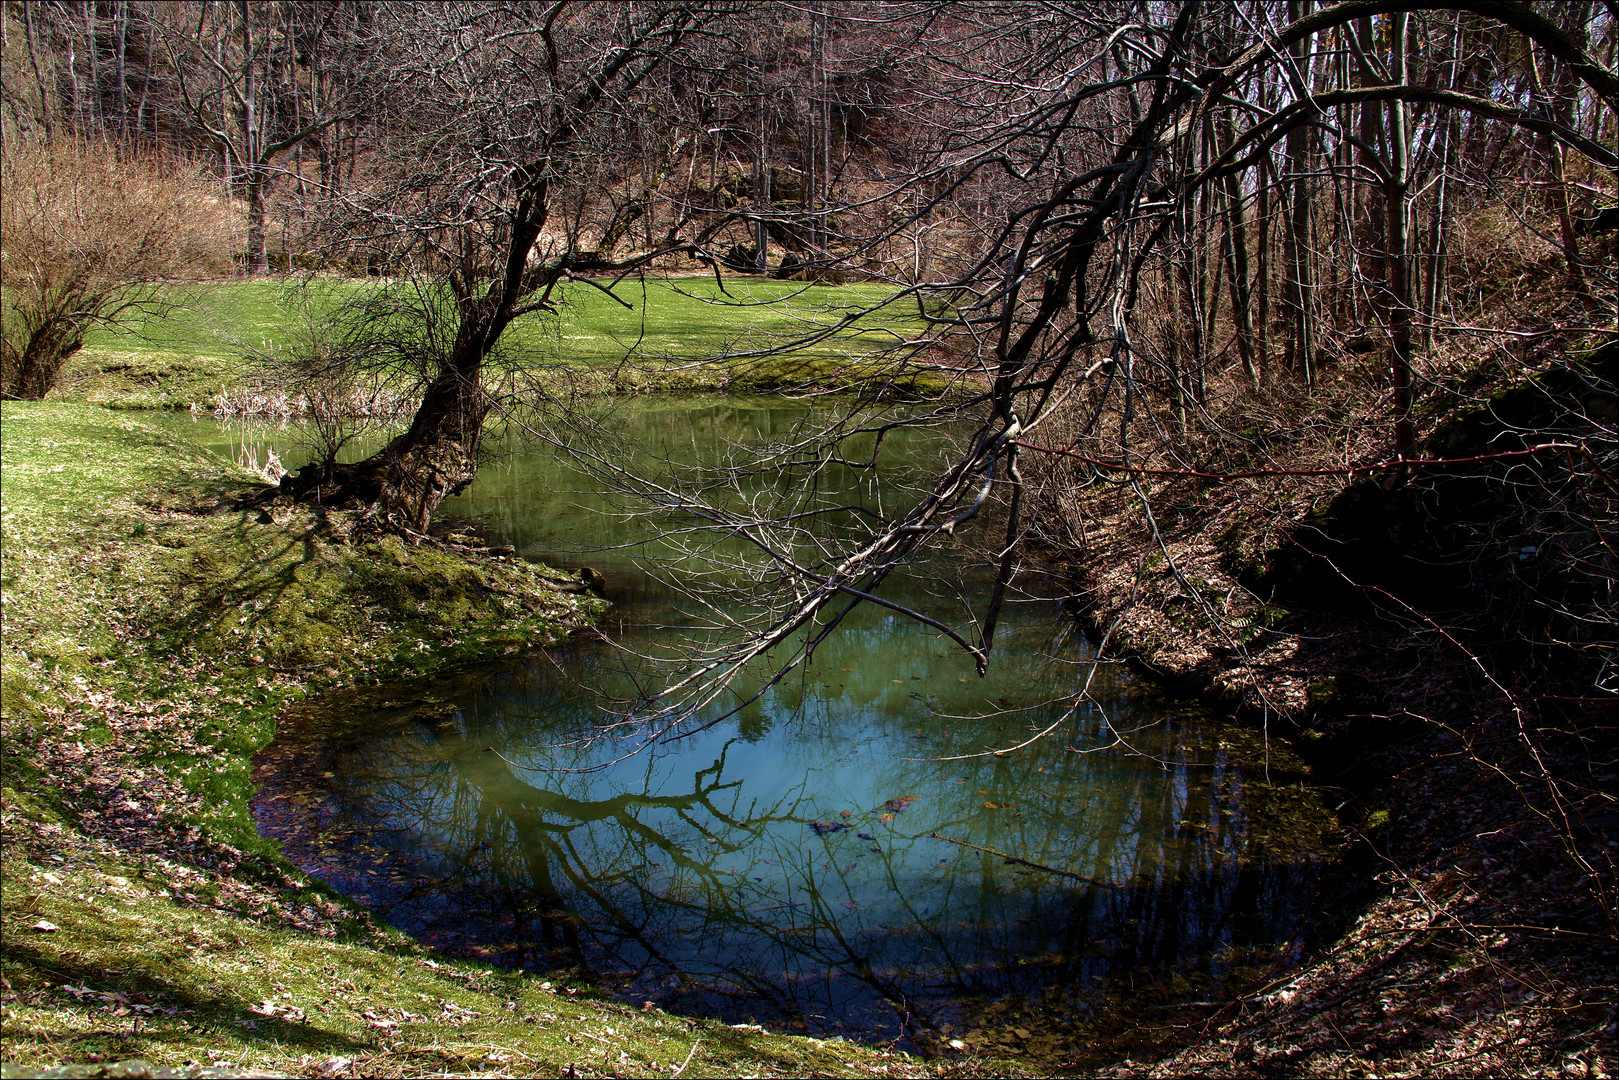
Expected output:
(402, 485)
(438, 456)
(29, 373)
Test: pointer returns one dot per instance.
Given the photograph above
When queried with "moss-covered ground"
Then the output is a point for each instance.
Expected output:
(680, 334)
(150, 640)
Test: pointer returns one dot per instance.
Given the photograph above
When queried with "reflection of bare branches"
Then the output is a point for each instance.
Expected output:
(1025, 862)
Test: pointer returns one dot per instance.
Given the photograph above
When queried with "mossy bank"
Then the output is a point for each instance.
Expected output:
(151, 637)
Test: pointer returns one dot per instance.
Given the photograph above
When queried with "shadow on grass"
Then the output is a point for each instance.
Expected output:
(195, 1008)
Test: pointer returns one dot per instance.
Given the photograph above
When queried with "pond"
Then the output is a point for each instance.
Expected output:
(844, 855)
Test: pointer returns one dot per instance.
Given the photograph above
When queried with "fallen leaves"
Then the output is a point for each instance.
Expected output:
(381, 1023)
(272, 1008)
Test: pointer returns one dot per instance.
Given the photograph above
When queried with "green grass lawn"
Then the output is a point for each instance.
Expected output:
(676, 333)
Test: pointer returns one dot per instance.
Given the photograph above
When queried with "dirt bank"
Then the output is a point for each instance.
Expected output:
(1479, 940)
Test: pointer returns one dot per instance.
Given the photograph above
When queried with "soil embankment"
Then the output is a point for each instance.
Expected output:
(1476, 778)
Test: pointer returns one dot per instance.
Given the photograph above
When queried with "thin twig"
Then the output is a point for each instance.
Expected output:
(689, 1055)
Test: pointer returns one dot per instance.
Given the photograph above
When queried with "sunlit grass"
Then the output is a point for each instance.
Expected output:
(686, 333)
(151, 642)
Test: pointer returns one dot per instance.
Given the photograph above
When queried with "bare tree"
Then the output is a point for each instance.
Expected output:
(504, 180)
(248, 77)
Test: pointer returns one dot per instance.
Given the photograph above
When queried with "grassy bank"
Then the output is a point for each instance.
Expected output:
(202, 346)
(150, 642)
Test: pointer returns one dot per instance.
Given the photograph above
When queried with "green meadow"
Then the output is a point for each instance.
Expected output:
(681, 333)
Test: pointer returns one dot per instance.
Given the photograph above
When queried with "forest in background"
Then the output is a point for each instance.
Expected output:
(1320, 294)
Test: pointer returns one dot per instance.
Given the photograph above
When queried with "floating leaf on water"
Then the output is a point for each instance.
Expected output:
(885, 818)
(845, 813)
(900, 804)
(866, 836)
(825, 828)
(999, 805)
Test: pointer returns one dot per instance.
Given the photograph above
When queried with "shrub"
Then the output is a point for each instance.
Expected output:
(89, 234)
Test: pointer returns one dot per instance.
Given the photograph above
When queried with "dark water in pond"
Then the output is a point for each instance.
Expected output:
(812, 860)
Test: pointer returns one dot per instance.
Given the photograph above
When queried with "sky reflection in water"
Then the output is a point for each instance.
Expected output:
(808, 860)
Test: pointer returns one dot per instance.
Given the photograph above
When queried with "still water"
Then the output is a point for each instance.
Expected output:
(842, 855)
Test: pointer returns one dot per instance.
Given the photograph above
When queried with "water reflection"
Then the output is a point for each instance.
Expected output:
(812, 861)
(811, 858)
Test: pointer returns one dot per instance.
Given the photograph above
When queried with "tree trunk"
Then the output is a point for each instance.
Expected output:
(1300, 256)
(47, 104)
(1397, 270)
(121, 92)
(405, 481)
(438, 456)
(257, 261)
(93, 94)
(31, 375)
(1236, 245)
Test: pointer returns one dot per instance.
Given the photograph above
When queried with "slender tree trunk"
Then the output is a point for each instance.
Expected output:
(1264, 180)
(1562, 93)
(1300, 289)
(146, 85)
(47, 100)
(1438, 235)
(1236, 245)
(761, 189)
(1370, 211)
(121, 92)
(72, 90)
(93, 95)
(258, 261)
(1397, 268)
